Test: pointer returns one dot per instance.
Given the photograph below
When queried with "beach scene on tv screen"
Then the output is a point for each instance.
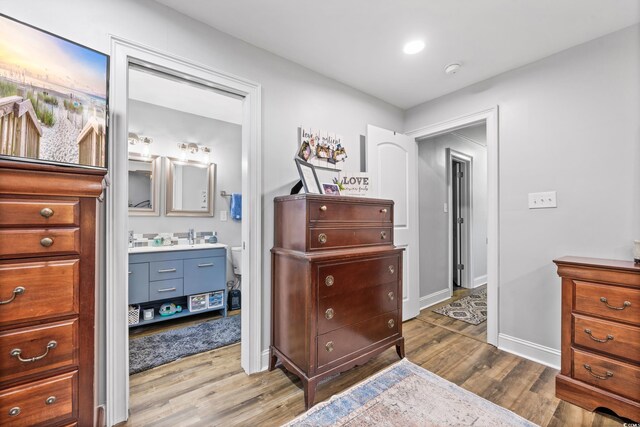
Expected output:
(53, 97)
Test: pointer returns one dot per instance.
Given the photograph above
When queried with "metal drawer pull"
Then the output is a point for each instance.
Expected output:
(329, 280)
(19, 290)
(329, 313)
(209, 264)
(588, 332)
(329, 346)
(608, 374)
(323, 208)
(15, 411)
(167, 270)
(624, 304)
(46, 212)
(383, 235)
(391, 323)
(46, 242)
(167, 290)
(322, 238)
(16, 352)
(391, 296)
(131, 272)
(383, 210)
(50, 400)
(391, 269)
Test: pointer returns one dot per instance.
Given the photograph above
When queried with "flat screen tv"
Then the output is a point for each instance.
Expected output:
(53, 98)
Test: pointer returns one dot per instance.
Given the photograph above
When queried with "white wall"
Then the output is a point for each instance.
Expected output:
(168, 127)
(568, 123)
(291, 94)
(434, 225)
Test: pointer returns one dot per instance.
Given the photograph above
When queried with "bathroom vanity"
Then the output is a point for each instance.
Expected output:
(166, 274)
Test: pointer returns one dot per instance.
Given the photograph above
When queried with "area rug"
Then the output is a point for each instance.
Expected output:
(154, 350)
(471, 309)
(405, 395)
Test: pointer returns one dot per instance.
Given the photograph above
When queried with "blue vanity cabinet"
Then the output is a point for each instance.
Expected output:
(204, 274)
(171, 276)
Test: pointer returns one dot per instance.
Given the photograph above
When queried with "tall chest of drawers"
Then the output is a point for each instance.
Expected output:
(336, 285)
(47, 294)
(600, 335)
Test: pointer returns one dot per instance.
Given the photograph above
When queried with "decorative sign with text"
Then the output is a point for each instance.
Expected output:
(353, 184)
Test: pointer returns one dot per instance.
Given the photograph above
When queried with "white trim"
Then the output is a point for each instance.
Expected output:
(490, 117)
(264, 359)
(480, 280)
(435, 298)
(529, 350)
(124, 52)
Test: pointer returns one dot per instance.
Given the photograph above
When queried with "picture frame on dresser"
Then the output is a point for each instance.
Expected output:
(308, 177)
(76, 93)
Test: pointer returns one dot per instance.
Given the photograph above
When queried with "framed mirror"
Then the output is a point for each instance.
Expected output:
(190, 188)
(144, 185)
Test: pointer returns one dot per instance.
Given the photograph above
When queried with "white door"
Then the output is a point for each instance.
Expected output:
(392, 161)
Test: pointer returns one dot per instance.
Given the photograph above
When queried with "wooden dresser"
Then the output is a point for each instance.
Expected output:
(47, 294)
(336, 285)
(600, 335)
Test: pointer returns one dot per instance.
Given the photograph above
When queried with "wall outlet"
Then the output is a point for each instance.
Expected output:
(224, 215)
(543, 200)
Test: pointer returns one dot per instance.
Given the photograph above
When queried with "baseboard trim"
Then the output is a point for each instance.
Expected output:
(264, 360)
(529, 350)
(479, 281)
(434, 298)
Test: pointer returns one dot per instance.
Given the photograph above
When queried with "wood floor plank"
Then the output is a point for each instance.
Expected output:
(211, 389)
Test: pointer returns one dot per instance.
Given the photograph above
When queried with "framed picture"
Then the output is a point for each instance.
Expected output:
(308, 177)
(331, 189)
(55, 92)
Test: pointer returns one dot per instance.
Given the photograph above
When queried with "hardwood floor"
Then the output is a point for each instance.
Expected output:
(211, 389)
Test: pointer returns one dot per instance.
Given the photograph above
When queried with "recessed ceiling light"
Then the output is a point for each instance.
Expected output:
(413, 47)
(452, 68)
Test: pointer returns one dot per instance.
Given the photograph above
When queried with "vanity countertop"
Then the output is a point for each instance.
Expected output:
(147, 249)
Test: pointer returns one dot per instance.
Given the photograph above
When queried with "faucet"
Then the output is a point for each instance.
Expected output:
(131, 239)
(192, 236)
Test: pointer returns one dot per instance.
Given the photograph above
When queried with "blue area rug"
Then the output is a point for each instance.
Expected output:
(154, 350)
(405, 394)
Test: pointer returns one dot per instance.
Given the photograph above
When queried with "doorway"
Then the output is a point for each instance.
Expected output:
(124, 53)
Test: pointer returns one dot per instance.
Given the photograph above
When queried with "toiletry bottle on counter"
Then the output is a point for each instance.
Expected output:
(214, 237)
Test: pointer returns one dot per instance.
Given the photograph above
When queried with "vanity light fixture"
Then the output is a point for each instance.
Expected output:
(205, 153)
(191, 148)
(413, 47)
(144, 141)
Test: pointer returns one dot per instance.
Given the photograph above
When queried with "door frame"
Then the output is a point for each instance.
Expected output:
(124, 52)
(490, 117)
(467, 225)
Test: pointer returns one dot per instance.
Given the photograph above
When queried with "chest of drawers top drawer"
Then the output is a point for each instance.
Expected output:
(331, 210)
(16, 212)
(38, 290)
(611, 302)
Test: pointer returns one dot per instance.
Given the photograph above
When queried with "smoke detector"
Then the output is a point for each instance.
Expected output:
(452, 68)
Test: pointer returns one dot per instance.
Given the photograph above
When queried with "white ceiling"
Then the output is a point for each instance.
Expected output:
(359, 42)
(183, 96)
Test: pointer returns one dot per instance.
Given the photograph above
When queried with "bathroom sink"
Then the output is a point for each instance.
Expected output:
(143, 249)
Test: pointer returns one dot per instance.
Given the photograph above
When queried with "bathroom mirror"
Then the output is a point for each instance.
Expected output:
(144, 185)
(190, 188)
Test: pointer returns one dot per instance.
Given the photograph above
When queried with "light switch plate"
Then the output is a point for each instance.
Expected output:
(224, 215)
(544, 200)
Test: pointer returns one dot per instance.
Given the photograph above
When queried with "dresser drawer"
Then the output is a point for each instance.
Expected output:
(603, 372)
(38, 290)
(41, 348)
(163, 270)
(164, 289)
(352, 307)
(204, 274)
(50, 400)
(28, 242)
(138, 283)
(612, 302)
(333, 346)
(39, 212)
(349, 276)
(341, 212)
(336, 238)
(607, 337)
